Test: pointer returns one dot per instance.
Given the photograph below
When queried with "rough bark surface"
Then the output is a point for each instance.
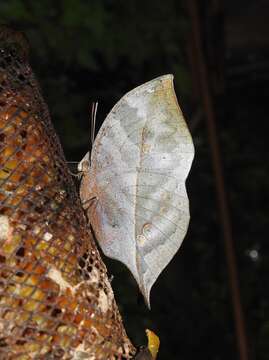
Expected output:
(55, 298)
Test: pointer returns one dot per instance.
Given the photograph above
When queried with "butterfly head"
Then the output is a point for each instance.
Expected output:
(84, 164)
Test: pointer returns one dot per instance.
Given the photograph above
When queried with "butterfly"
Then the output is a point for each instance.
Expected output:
(133, 182)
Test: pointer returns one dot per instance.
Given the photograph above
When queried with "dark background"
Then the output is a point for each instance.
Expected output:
(83, 51)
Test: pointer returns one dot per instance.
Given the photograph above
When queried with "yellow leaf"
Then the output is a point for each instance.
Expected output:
(153, 343)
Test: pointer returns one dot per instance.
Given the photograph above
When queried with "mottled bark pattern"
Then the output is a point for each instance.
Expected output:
(55, 298)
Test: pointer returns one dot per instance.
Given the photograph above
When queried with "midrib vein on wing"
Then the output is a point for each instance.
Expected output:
(136, 207)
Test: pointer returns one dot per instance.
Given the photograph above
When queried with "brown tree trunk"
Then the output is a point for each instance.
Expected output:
(55, 298)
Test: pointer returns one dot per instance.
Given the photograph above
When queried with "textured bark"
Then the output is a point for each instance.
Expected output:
(55, 298)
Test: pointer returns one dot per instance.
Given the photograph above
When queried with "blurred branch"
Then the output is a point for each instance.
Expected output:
(219, 179)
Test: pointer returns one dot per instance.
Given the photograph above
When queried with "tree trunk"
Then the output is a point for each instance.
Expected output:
(56, 301)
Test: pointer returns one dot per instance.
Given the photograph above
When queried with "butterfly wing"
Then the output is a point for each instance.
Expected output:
(139, 163)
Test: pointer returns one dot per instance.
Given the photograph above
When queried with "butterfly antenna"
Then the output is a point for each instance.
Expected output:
(92, 127)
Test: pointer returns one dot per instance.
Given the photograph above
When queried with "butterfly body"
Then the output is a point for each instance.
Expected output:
(139, 162)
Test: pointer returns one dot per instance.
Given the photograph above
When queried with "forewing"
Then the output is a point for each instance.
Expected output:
(139, 164)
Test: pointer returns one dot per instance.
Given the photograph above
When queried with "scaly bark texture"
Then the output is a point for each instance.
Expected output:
(55, 298)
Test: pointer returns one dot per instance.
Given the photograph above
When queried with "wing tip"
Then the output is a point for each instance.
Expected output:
(147, 301)
(151, 84)
(145, 291)
(167, 78)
